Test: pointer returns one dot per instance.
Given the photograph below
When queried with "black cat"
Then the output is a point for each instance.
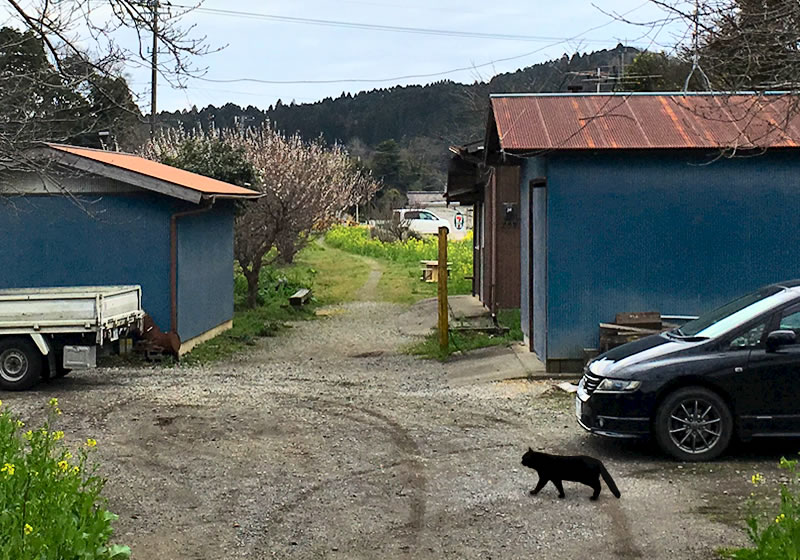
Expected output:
(578, 468)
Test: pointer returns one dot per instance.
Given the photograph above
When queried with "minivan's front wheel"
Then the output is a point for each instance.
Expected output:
(693, 424)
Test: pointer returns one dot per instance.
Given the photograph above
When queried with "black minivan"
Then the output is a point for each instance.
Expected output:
(732, 372)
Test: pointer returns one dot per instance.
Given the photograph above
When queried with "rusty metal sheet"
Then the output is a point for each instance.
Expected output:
(641, 121)
(130, 162)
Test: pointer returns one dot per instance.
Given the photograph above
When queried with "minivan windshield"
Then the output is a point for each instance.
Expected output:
(735, 313)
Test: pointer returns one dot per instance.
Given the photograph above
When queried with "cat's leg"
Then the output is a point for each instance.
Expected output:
(560, 488)
(539, 486)
(596, 487)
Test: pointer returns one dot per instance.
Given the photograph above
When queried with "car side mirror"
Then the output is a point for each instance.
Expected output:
(779, 338)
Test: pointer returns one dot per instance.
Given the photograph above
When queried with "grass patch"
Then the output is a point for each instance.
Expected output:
(248, 326)
(400, 283)
(337, 275)
(464, 342)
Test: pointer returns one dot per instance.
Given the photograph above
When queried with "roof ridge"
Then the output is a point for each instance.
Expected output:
(640, 94)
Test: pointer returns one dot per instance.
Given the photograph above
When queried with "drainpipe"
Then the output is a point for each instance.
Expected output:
(173, 260)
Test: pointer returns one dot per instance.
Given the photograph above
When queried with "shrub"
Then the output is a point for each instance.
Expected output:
(275, 284)
(50, 503)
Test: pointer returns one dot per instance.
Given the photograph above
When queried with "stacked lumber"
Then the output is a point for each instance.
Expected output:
(628, 327)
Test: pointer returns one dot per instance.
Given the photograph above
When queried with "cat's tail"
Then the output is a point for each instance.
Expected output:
(609, 481)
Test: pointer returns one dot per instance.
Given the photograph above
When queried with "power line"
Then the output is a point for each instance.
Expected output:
(380, 27)
(418, 76)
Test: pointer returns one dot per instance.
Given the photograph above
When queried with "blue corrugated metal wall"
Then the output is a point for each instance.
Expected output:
(117, 239)
(662, 231)
(205, 270)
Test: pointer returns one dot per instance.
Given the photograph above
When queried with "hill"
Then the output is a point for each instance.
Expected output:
(422, 120)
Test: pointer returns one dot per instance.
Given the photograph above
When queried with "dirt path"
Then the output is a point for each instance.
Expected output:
(328, 442)
(369, 291)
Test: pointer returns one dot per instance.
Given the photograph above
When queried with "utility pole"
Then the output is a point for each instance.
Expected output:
(154, 75)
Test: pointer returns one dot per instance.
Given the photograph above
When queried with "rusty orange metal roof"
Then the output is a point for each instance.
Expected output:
(205, 186)
(645, 121)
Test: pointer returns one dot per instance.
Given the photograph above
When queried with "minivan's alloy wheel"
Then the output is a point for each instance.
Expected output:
(693, 424)
(20, 364)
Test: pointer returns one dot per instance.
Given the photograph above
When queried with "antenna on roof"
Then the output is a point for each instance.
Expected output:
(696, 54)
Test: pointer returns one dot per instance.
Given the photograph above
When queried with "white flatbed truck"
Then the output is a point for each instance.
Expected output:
(46, 332)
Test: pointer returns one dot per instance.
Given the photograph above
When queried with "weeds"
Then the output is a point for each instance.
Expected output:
(50, 503)
(775, 536)
(464, 342)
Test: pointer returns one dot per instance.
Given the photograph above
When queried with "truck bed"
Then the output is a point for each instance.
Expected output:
(74, 309)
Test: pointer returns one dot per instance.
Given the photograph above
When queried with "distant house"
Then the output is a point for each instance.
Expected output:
(426, 199)
(99, 218)
(630, 202)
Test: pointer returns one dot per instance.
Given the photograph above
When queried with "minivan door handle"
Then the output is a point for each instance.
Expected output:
(738, 369)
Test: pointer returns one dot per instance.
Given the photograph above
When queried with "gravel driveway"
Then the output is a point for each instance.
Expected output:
(327, 442)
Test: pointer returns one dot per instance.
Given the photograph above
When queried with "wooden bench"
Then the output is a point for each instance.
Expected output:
(300, 297)
(430, 270)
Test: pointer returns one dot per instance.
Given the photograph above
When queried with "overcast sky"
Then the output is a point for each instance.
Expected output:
(257, 47)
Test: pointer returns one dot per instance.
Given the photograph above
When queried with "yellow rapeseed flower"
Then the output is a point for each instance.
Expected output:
(58, 435)
(757, 479)
(67, 455)
(63, 465)
(8, 469)
(76, 469)
(780, 518)
(28, 529)
(28, 435)
(91, 442)
(20, 423)
(53, 402)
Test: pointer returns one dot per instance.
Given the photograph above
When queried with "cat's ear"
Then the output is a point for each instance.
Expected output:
(529, 449)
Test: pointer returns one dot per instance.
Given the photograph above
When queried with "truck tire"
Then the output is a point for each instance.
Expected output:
(21, 364)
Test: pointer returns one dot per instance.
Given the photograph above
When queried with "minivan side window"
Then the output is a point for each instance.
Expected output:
(427, 216)
(790, 320)
(750, 338)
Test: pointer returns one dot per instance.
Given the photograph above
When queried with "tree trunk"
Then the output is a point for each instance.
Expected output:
(252, 283)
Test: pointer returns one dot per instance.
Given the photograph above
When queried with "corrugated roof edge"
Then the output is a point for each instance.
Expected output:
(172, 187)
(640, 94)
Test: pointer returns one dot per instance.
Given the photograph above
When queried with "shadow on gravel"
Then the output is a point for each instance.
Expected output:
(65, 384)
(622, 450)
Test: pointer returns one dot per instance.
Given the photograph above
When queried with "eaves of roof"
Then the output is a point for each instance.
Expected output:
(146, 174)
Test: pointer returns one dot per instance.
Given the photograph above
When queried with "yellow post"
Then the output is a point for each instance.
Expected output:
(443, 336)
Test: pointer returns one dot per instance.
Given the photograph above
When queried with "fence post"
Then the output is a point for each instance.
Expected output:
(444, 341)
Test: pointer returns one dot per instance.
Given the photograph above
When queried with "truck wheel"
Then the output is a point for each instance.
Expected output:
(693, 424)
(20, 364)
